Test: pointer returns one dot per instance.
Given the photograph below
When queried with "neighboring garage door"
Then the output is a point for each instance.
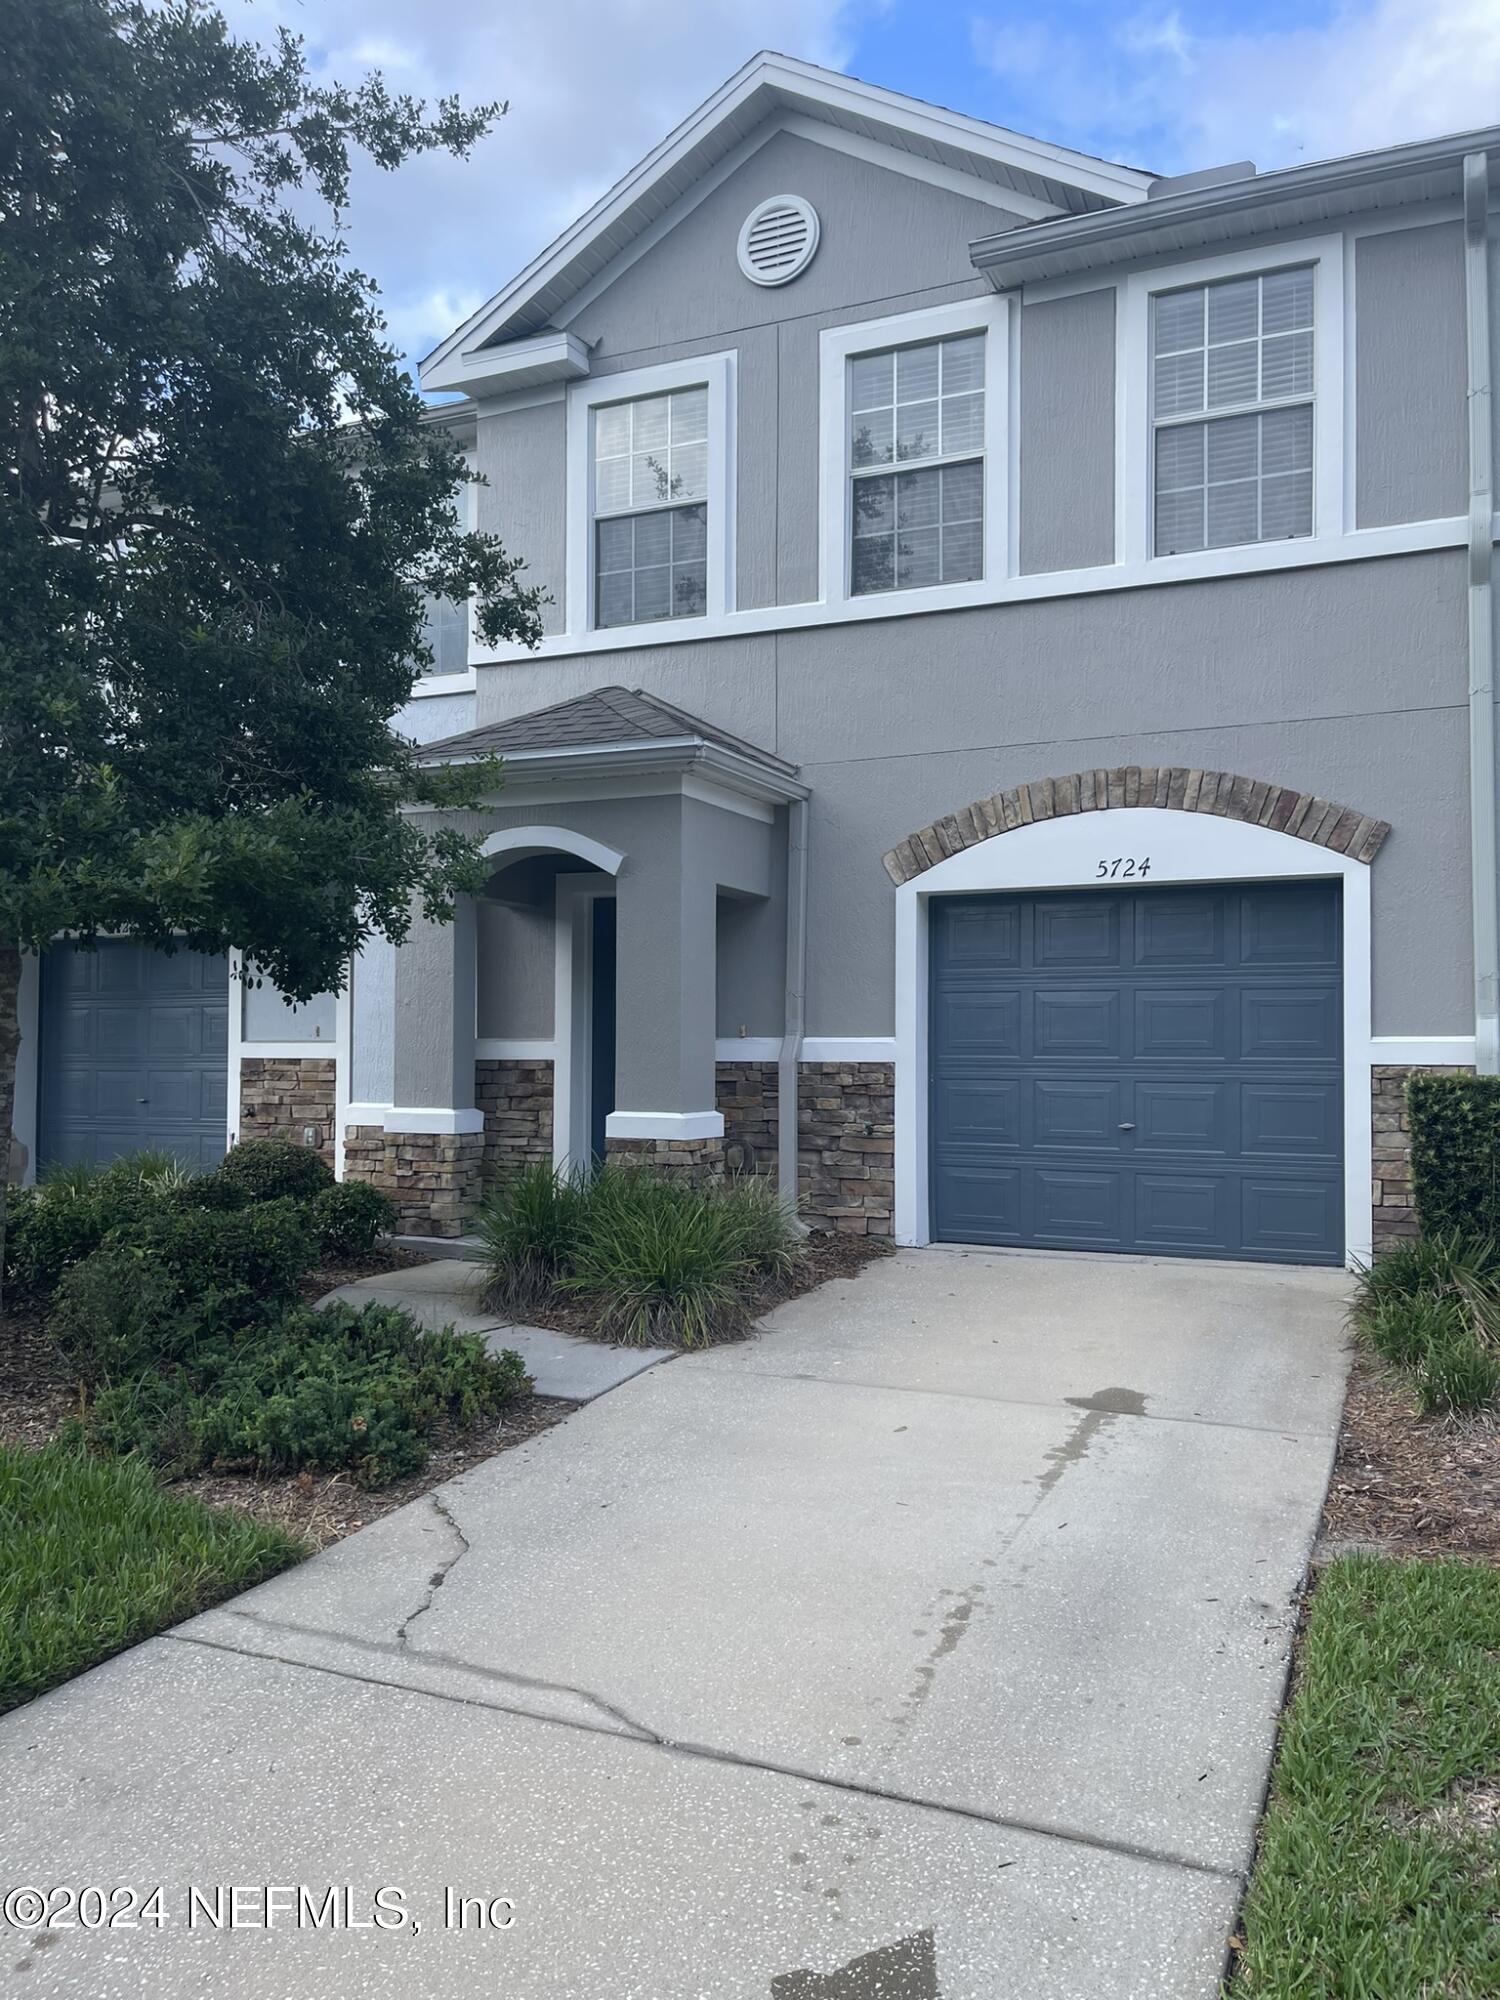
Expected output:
(133, 1053)
(1157, 1071)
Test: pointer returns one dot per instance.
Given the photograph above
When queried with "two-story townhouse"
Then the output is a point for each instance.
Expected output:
(1017, 682)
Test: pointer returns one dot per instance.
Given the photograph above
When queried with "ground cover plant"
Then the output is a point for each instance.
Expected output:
(1432, 1307)
(94, 1556)
(656, 1259)
(1379, 1862)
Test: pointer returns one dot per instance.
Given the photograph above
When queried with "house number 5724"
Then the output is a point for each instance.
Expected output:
(1124, 866)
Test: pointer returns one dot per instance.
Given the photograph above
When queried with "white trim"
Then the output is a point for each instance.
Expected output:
(719, 795)
(1246, 559)
(715, 372)
(1332, 422)
(534, 362)
(988, 315)
(747, 1048)
(343, 1062)
(1441, 1051)
(558, 839)
(430, 1118)
(363, 1113)
(572, 1018)
(770, 85)
(779, 204)
(664, 1125)
(431, 684)
(234, 1044)
(293, 1051)
(952, 180)
(1063, 853)
(514, 1048)
(848, 1048)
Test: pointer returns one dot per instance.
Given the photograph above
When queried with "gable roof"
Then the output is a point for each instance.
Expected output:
(619, 724)
(1027, 176)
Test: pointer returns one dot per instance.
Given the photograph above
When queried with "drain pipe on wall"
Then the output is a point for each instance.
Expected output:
(1482, 809)
(788, 1062)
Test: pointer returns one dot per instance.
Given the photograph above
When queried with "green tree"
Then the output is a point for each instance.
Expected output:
(222, 505)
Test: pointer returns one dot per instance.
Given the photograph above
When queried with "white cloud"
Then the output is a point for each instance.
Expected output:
(1376, 72)
(591, 89)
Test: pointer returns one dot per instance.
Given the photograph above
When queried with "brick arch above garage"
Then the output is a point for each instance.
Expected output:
(1169, 787)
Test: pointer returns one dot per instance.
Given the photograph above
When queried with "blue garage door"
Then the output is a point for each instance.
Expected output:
(1157, 1071)
(134, 1052)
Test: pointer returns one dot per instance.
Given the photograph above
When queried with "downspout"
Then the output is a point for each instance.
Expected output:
(788, 1062)
(1482, 810)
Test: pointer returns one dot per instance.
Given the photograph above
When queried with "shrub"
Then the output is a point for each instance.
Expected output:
(760, 1220)
(274, 1170)
(349, 1216)
(1432, 1307)
(330, 1389)
(51, 1227)
(528, 1226)
(669, 1262)
(1455, 1153)
(177, 1277)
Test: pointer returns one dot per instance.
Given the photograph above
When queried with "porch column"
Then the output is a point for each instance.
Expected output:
(664, 1041)
(426, 1153)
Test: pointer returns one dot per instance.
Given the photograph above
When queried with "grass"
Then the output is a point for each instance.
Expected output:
(1378, 1876)
(94, 1556)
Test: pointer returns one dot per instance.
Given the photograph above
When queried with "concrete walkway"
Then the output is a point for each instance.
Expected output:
(927, 1647)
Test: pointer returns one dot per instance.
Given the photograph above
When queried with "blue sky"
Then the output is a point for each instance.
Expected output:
(594, 84)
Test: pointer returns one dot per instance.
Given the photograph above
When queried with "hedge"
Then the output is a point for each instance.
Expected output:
(1455, 1153)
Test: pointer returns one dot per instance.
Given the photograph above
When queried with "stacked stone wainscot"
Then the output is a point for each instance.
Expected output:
(1393, 1210)
(434, 1178)
(285, 1097)
(515, 1095)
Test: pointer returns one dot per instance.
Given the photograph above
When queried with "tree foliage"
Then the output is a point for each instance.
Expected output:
(222, 504)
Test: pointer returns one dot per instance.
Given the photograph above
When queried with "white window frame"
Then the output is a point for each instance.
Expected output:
(837, 346)
(716, 373)
(1134, 499)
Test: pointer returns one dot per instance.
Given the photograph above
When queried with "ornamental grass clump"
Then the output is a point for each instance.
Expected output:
(1432, 1308)
(528, 1226)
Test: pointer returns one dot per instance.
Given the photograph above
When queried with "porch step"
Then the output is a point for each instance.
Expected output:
(468, 1248)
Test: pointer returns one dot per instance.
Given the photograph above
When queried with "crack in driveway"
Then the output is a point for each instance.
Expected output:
(440, 1575)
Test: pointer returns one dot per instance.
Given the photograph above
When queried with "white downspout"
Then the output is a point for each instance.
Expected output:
(789, 1061)
(1482, 811)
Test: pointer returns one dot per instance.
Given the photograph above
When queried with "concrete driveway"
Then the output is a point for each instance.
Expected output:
(927, 1647)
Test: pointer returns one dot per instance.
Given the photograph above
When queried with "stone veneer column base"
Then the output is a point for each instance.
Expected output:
(747, 1101)
(1393, 1209)
(434, 1178)
(281, 1097)
(515, 1095)
(846, 1146)
(698, 1159)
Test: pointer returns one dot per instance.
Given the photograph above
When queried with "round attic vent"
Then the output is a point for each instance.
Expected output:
(778, 240)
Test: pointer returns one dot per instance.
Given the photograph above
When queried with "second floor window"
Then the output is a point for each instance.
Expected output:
(651, 508)
(1232, 412)
(916, 465)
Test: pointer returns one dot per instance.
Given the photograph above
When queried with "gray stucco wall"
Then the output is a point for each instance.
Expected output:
(1066, 494)
(372, 1001)
(1347, 680)
(522, 453)
(1412, 454)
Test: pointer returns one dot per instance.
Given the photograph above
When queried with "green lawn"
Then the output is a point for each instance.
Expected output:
(94, 1556)
(1379, 1869)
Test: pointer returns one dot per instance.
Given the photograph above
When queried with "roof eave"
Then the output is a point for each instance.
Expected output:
(1111, 236)
(771, 781)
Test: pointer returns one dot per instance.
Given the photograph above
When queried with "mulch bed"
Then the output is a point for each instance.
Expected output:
(1408, 1485)
(825, 1256)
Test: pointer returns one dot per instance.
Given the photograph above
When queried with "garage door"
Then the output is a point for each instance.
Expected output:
(133, 1052)
(1154, 1070)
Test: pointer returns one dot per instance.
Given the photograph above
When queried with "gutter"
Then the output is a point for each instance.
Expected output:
(789, 1061)
(1482, 809)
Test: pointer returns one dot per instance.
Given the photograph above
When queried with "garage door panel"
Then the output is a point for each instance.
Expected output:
(1075, 1021)
(1076, 1114)
(1290, 925)
(1069, 932)
(1181, 1021)
(133, 1053)
(1290, 1024)
(1183, 1212)
(980, 936)
(979, 1023)
(1172, 931)
(1187, 1117)
(1072, 1206)
(972, 1110)
(1176, 1055)
(1303, 1121)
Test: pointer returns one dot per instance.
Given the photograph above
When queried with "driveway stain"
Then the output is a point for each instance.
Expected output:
(906, 1970)
(1097, 1409)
